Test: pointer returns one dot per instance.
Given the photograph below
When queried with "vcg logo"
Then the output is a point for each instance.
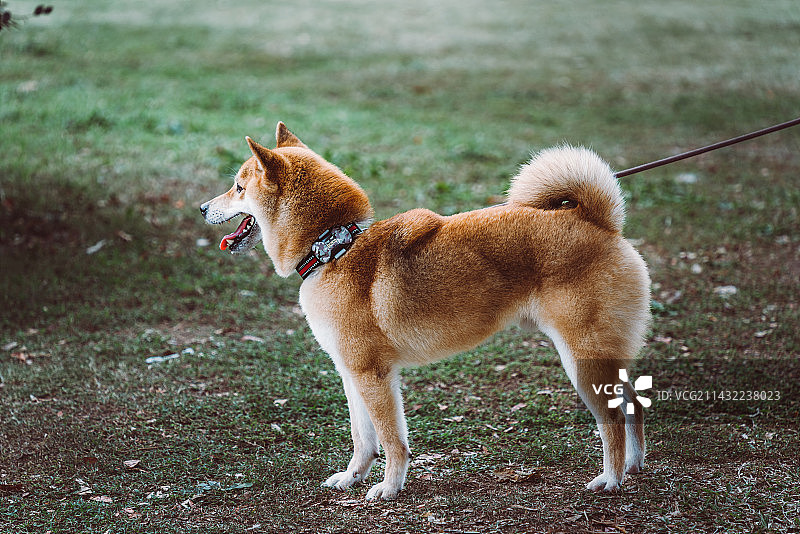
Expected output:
(642, 383)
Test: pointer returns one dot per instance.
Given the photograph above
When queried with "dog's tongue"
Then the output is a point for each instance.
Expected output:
(239, 231)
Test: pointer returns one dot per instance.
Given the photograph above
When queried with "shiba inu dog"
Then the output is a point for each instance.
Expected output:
(418, 287)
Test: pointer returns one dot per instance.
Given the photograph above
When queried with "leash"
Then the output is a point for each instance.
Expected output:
(709, 148)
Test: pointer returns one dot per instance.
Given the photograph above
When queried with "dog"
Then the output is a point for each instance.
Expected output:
(418, 287)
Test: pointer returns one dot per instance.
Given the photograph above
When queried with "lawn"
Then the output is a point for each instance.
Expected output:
(151, 383)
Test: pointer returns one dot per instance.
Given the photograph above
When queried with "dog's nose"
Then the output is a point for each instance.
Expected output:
(204, 210)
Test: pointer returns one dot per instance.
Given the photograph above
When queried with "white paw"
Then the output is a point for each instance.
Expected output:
(384, 491)
(635, 466)
(604, 482)
(343, 480)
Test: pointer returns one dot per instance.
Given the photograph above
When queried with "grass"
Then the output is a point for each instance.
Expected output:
(118, 121)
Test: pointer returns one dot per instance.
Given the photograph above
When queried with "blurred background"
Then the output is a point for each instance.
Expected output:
(118, 119)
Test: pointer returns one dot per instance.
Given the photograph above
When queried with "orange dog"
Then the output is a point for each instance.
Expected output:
(418, 287)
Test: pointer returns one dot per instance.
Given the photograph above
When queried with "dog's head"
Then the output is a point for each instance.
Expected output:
(288, 196)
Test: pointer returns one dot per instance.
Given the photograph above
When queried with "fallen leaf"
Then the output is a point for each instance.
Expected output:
(131, 513)
(130, 464)
(725, 291)
(161, 359)
(102, 498)
(519, 406)
(253, 338)
(280, 402)
(22, 357)
(96, 247)
(83, 487)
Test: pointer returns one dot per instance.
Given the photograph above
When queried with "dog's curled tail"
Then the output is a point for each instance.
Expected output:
(570, 177)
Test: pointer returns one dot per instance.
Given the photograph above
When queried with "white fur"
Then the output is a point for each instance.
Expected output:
(577, 174)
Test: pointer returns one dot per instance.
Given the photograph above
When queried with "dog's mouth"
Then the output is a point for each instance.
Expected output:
(244, 238)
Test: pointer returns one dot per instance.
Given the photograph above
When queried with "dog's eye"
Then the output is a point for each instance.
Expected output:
(239, 188)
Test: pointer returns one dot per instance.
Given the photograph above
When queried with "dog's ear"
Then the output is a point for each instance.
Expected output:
(286, 138)
(266, 158)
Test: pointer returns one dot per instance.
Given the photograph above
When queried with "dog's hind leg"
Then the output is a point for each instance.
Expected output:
(634, 432)
(365, 439)
(590, 372)
(380, 390)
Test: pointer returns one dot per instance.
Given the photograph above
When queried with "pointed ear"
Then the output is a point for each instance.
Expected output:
(287, 138)
(266, 158)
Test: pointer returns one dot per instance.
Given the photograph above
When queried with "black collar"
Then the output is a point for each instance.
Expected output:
(331, 245)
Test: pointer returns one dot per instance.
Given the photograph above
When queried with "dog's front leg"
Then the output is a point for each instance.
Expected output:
(365, 439)
(380, 391)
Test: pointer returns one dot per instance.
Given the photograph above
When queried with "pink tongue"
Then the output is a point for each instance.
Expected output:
(224, 243)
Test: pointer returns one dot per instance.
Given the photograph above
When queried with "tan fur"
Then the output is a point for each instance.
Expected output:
(419, 287)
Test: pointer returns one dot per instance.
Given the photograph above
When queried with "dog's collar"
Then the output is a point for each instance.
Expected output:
(331, 245)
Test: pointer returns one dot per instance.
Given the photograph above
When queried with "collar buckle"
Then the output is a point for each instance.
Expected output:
(329, 246)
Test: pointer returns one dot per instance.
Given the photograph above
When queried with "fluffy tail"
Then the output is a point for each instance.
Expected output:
(567, 177)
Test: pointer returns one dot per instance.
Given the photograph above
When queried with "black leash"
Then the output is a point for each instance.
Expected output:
(709, 148)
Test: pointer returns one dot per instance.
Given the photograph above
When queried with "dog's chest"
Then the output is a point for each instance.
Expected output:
(318, 315)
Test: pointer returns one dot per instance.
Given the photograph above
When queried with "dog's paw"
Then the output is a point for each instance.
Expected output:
(604, 482)
(383, 491)
(634, 467)
(343, 480)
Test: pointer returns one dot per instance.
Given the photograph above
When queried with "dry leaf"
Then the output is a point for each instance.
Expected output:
(83, 487)
(130, 464)
(454, 419)
(22, 357)
(519, 406)
(102, 498)
(280, 402)
(509, 474)
(96, 247)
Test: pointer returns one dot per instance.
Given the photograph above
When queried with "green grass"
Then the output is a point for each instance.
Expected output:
(119, 120)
